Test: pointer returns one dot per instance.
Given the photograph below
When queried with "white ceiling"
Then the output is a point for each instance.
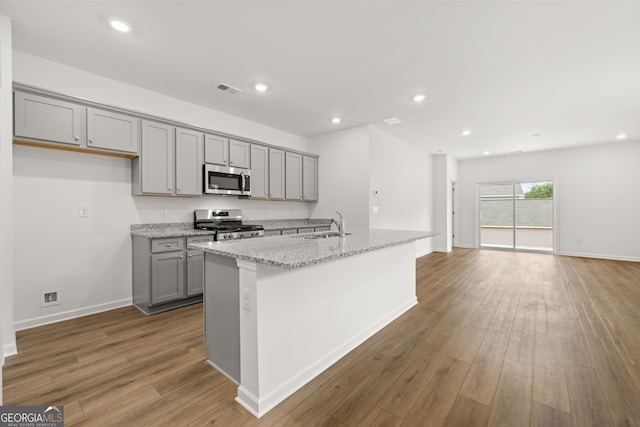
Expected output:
(568, 71)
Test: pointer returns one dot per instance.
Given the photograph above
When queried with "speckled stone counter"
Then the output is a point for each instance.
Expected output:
(289, 224)
(293, 252)
(161, 230)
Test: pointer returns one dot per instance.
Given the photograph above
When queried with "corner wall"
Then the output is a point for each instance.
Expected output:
(596, 199)
(343, 175)
(7, 335)
(400, 186)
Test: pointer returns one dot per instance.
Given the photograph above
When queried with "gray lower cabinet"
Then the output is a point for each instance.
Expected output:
(166, 274)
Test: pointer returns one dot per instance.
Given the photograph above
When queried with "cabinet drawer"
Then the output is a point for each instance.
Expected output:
(199, 239)
(167, 245)
(290, 231)
(272, 233)
(305, 230)
(323, 228)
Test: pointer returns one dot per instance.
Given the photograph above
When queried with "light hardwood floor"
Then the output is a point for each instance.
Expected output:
(498, 338)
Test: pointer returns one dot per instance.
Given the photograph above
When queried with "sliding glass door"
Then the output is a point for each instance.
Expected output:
(517, 216)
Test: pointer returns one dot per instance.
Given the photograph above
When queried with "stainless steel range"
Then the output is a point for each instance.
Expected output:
(227, 224)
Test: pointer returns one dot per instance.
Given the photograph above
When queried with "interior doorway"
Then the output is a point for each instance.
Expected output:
(517, 216)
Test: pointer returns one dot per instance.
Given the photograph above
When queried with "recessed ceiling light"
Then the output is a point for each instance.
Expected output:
(486, 153)
(419, 97)
(466, 132)
(120, 26)
(261, 87)
(336, 120)
(621, 136)
(392, 120)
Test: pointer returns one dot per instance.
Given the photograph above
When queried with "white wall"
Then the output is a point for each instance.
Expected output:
(7, 336)
(343, 175)
(401, 174)
(445, 173)
(89, 259)
(356, 162)
(596, 200)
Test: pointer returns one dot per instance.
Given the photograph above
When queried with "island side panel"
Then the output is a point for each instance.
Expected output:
(221, 313)
(302, 321)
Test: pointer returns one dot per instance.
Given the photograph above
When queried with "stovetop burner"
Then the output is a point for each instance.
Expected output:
(226, 223)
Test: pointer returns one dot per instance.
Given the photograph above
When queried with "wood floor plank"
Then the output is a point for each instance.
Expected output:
(488, 326)
(550, 384)
(512, 403)
(467, 412)
(546, 416)
(440, 393)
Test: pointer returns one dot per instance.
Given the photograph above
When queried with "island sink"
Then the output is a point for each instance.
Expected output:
(322, 235)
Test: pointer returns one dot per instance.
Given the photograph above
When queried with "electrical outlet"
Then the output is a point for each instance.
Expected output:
(83, 211)
(163, 211)
(375, 209)
(49, 298)
(246, 302)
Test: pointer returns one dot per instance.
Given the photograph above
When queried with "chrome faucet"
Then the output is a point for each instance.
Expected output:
(340, 224)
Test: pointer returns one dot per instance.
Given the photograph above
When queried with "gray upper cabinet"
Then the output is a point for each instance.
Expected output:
(309, 178)
(259, 172)
(112, 131)
(189, 161)
(239, 154)
(216, 150)
(47, 119)
(276, 174)
(154, 172)
(293, 176)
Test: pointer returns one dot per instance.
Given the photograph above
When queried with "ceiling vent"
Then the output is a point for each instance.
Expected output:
(392, 121)
(229, 89)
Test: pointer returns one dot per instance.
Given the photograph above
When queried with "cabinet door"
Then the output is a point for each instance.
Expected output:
(167, 277)
(156, 156)
(195, 272)
(259, 172)
(112, 131)
(39, 117)
(216, 150)
(189, 161)
(309, 178)
(276, 174)
(239, 154)
(293, 176)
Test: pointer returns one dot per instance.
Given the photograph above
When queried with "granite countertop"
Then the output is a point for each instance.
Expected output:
(185, 229)
(292, 252)
(286, 224)
(161, 230)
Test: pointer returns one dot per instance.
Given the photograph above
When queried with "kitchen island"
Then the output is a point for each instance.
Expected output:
(280, 310)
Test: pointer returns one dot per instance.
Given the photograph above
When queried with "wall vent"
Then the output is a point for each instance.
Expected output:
(228, 88)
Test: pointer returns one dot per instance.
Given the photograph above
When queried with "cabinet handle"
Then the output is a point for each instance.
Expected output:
(77, 138)
(181, 256)
(90, 140)
(168, 245)
(190, 256)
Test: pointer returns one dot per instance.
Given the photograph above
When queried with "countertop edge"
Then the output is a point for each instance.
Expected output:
(320, 260)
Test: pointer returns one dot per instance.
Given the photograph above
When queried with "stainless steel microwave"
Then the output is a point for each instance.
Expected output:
(227, 181)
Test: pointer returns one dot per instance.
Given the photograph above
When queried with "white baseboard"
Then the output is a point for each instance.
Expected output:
(70, 314)
(259, 407)
(599, 256)
(9, 349)
(465, 246)
(423, 253)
